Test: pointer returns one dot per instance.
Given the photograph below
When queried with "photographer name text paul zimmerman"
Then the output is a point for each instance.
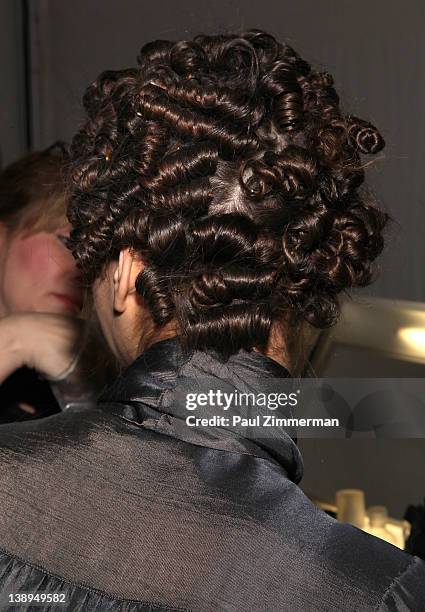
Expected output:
(265, 420)
(224, 401)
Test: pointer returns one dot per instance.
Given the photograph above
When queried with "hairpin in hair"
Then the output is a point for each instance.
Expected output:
(105, 156)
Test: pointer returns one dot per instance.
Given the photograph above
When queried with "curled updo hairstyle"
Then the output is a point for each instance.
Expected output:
(227, 164)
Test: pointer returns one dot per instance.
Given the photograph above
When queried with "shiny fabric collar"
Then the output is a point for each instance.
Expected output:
(149, 394)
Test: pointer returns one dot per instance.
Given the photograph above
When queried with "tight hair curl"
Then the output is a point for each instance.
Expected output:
(227, 164)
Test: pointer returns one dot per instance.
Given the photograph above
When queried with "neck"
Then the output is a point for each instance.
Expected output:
(276, 347)
(155, 334)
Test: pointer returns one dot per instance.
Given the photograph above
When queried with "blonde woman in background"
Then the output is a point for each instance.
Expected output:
(41, 294)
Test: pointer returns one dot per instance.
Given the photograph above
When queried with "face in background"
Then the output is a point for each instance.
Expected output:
(38, 273)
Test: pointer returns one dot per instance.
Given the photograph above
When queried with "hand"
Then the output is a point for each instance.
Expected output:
(46, 342)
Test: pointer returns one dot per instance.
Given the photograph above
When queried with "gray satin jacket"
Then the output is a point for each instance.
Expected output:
(123, 507)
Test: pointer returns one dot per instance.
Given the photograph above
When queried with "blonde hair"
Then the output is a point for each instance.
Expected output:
(33, 191)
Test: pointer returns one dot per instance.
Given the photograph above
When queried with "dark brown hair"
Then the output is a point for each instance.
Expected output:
(33, 195)
(227, 164)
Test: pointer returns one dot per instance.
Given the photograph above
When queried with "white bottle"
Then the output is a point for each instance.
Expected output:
(350, 505)
(378, 517)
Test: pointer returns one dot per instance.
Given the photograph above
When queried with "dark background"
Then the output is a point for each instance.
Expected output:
(375, 49)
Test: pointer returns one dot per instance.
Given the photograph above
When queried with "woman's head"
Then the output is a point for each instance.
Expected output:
(37, 271)
(226, 168)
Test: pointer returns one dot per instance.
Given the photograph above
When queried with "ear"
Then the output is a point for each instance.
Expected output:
(125, 275)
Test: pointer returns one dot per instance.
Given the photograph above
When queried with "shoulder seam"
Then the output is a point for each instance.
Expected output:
(392, 584)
